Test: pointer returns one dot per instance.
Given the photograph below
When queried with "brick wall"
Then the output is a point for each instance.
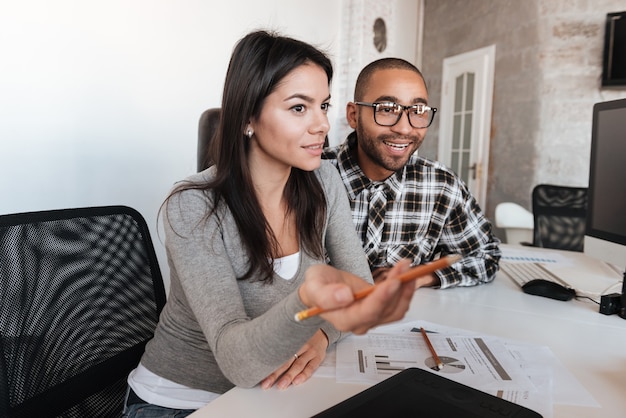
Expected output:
(547, 78)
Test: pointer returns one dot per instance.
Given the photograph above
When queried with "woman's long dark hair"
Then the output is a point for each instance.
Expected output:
(259, 62)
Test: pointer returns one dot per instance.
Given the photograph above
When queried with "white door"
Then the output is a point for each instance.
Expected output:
(465, 124)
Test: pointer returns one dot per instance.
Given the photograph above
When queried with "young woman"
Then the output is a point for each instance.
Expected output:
(248, 239)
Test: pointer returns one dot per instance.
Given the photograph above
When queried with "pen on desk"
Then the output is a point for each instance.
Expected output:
(409, 275)
(438, 362)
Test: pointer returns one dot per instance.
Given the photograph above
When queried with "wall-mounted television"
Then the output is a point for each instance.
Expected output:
(614, 61)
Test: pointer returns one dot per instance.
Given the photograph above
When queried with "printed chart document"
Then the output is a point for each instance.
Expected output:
(480, 362)
(521, 373)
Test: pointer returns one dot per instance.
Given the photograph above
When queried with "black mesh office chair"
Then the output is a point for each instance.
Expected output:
(559, 214)
(81, 293)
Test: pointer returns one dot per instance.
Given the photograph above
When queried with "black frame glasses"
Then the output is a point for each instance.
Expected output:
(384, 113)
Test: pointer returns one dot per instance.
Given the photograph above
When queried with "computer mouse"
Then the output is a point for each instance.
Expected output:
(548, 289)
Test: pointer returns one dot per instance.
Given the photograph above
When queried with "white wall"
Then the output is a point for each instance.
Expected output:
(100, 100)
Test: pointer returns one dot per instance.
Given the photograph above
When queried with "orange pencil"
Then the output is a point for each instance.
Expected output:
(407, 276)
(438, 361)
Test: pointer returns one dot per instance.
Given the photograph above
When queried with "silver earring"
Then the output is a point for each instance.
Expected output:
(249, 133)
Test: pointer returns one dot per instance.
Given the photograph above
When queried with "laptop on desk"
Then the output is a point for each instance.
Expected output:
(416, 392)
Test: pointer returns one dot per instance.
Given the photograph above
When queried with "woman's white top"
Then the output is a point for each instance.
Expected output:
(163, 392)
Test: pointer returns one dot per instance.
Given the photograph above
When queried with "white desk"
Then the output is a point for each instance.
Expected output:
(592, 347)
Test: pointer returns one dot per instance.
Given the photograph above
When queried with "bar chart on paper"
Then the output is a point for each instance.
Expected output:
(386, 356)
(386, 364)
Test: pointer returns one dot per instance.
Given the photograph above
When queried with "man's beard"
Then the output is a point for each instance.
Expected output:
(371, 146)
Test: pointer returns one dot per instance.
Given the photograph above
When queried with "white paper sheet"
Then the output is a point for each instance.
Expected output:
(536, 378)
(479, 362)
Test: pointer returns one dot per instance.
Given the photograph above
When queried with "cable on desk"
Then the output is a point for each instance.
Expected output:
(587, 297)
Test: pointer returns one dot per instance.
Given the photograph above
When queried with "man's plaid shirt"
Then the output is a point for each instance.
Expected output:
(430, 213)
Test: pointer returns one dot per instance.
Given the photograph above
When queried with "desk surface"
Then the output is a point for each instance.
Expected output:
(592, 347)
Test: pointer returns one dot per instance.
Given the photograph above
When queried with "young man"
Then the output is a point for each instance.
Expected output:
(403, 205)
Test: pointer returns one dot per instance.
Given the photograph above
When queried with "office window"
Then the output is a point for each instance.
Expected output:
(462, 125)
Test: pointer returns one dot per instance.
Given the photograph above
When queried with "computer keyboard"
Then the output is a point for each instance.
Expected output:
(521, 273)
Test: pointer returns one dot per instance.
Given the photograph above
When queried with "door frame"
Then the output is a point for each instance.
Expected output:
(484, 60)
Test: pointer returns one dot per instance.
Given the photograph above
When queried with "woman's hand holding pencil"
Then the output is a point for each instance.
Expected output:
(340, 297)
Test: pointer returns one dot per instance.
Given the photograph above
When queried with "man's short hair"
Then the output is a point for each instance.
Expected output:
(366, 73)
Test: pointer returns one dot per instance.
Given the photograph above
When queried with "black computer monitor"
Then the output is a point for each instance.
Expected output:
(605, 235)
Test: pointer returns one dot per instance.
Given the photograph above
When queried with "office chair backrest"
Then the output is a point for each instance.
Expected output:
(559, 214)
(207, 126)
(81, 293)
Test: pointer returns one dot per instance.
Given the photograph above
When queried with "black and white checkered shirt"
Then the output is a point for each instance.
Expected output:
(429, 213)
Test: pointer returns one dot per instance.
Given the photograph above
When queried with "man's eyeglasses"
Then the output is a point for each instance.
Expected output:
(389, 113)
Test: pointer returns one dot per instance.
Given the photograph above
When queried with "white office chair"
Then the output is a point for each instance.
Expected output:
(516, 221)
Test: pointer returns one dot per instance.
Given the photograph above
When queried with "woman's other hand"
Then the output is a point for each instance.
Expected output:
(301, 366)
